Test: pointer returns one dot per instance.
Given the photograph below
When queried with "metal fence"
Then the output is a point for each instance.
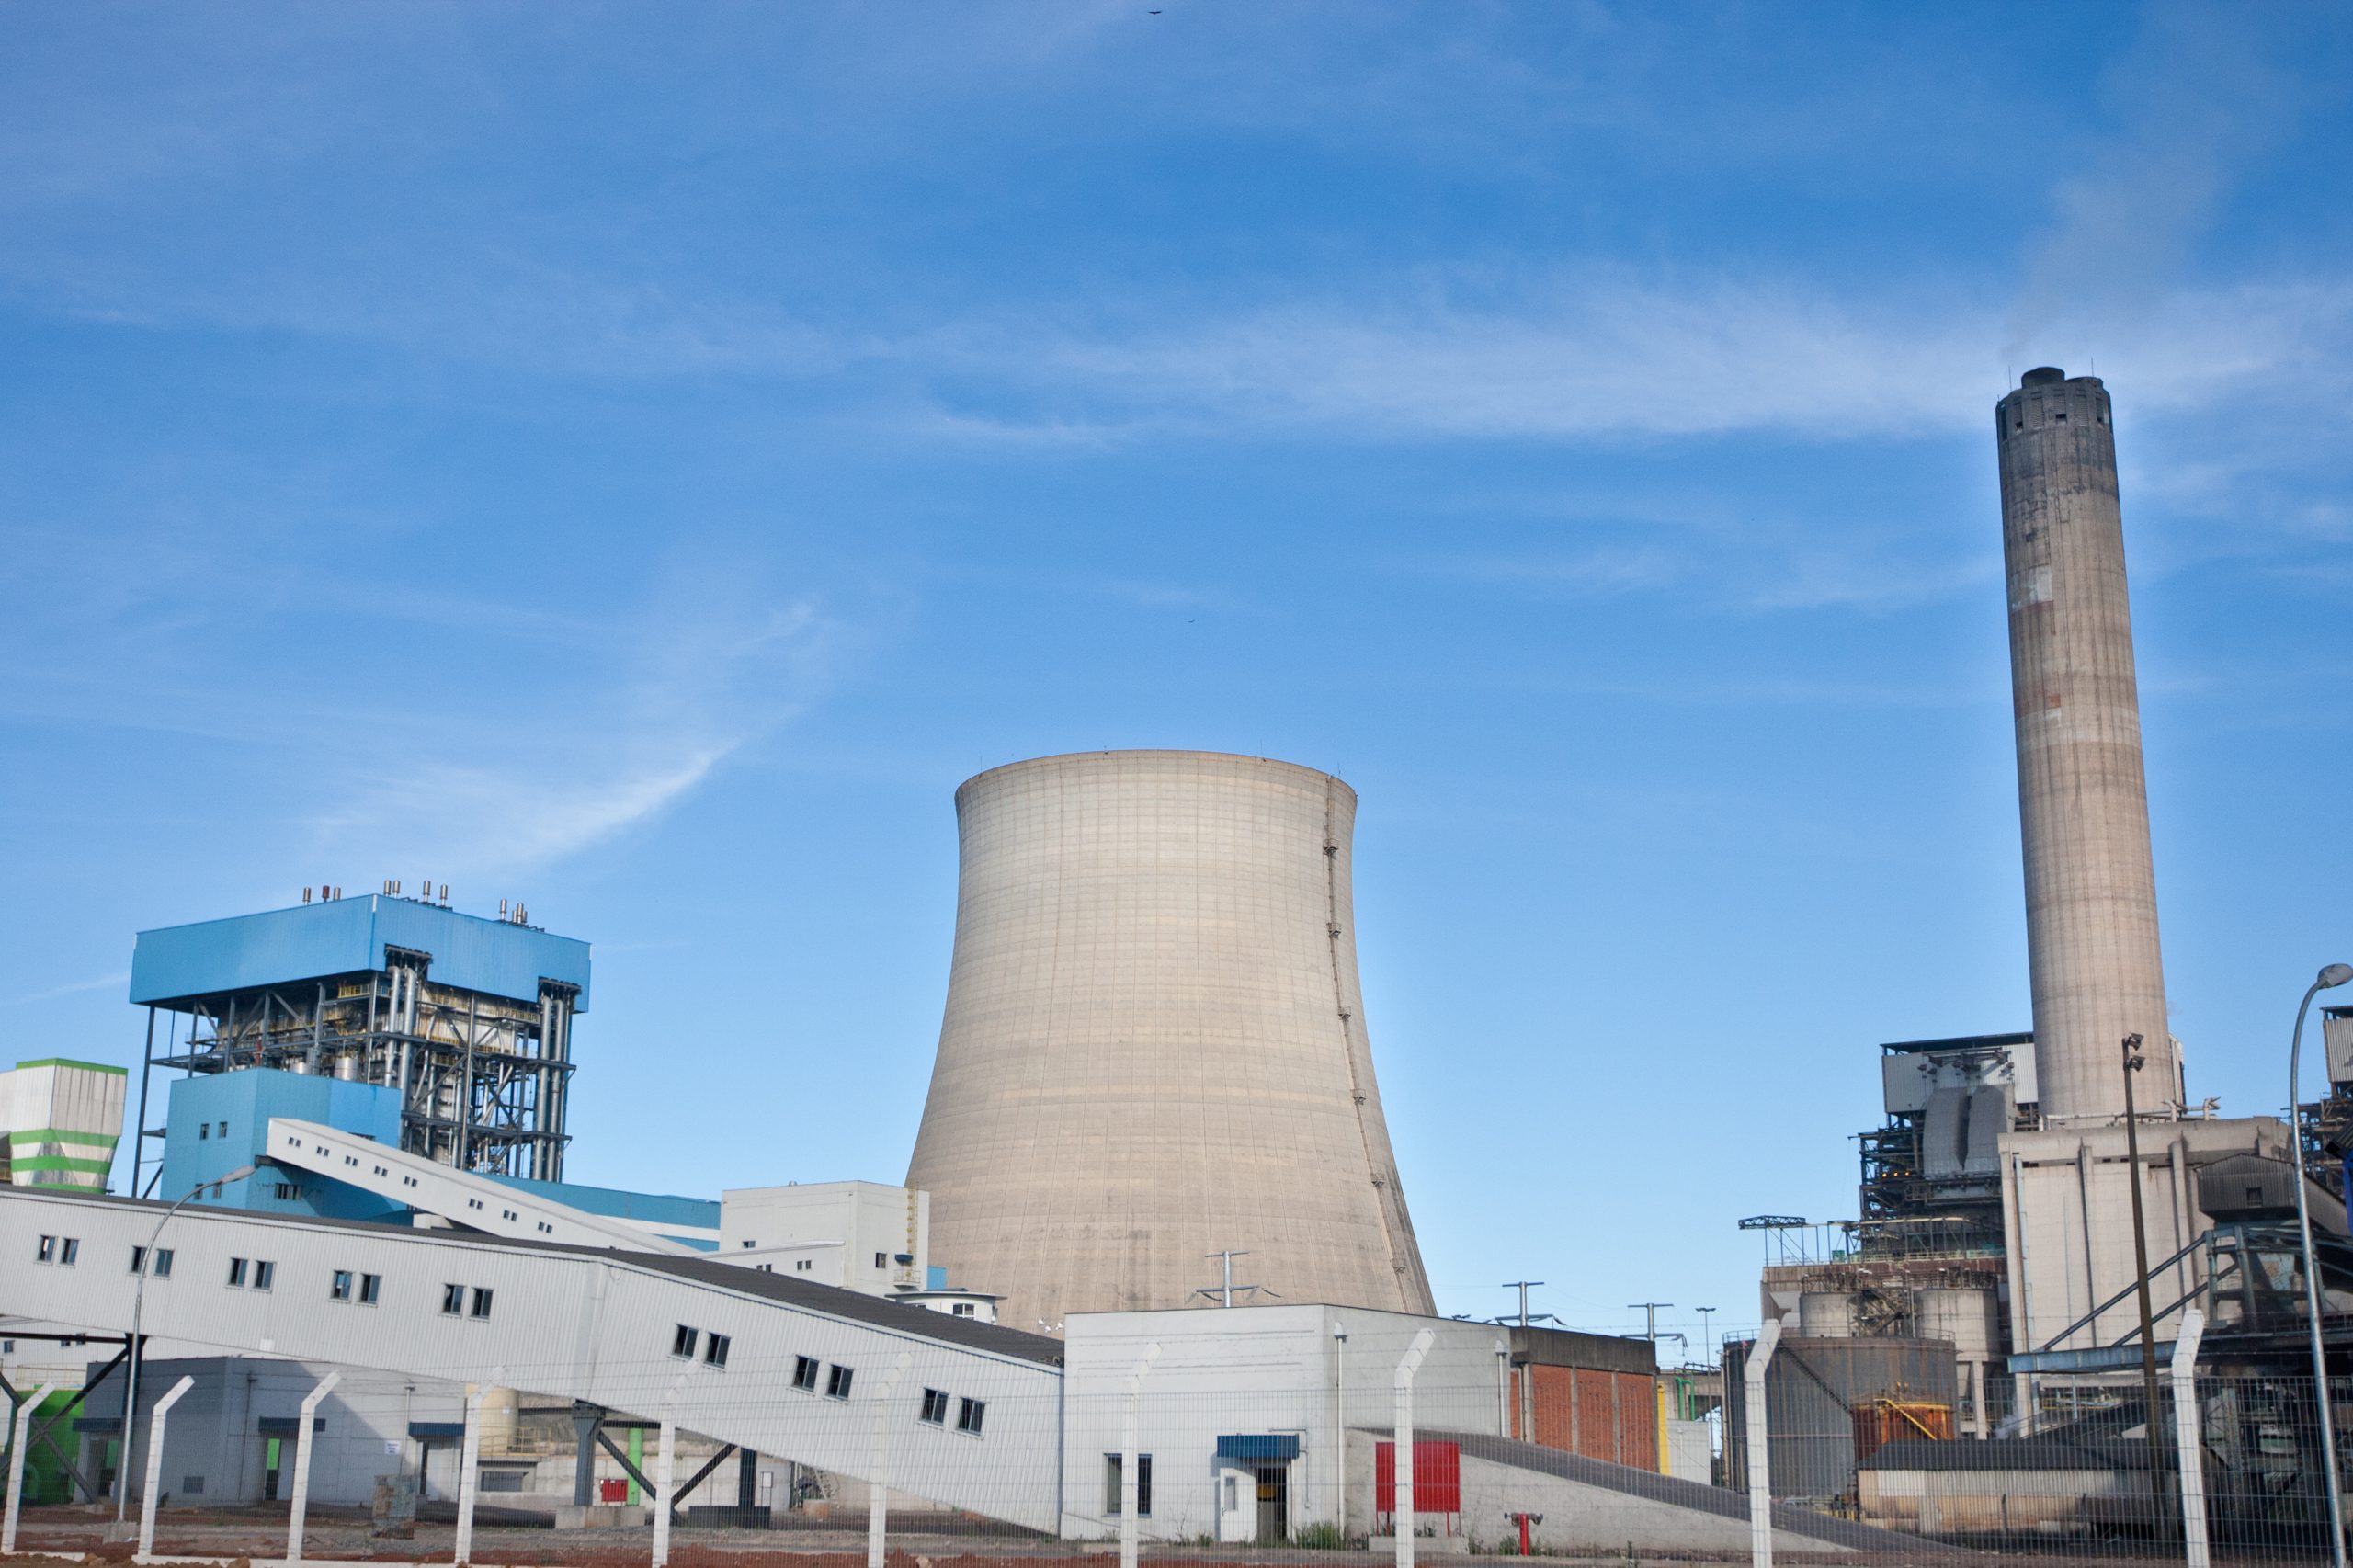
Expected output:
(2229, 1470)
(1170, 1467)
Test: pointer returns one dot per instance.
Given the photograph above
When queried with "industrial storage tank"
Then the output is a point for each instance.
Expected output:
(1826, 1314)
(1154, 1045)
(1820, 1396)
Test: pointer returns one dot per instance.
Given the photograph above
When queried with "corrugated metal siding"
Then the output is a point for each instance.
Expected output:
(311, 941)
(577, 1324)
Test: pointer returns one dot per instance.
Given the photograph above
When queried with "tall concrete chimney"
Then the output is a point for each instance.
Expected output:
(1154, 1044)
(2091, 900)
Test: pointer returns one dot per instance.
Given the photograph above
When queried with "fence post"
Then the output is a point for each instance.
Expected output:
(1402, 1519)
(155, 1419)
(1755, 1434)
(666, 1474)
(16, 1465)
(303, 1465)
(1130, 1483)
(878, 1484)
(469, 1462)
(2190, 1449)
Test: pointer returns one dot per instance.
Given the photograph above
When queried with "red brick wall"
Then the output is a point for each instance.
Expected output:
(1601, 1415)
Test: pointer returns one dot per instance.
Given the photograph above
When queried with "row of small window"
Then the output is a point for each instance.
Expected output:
(970, 1413)
(457, 1299)
(63, 1251)
(715, 1345)
(256, 1274)
(366, 1288)
(205, 1128)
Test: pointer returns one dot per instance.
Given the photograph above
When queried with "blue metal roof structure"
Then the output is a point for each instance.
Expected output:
(313, 942)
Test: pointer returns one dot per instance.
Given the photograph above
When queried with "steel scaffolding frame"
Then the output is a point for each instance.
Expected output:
(484, 1080)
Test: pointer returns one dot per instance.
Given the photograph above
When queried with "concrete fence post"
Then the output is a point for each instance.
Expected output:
(1130, 1482)
(17, 1447)
(665, 1476)
(301, 1506)
(1402, 1519)
(155, 1419)
(1755, 1433)
(469, 1466)
(878, 1484)
(2190, 1449)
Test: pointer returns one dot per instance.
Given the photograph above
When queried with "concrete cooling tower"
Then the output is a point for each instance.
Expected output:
(2091, 898)
(1154, 1047)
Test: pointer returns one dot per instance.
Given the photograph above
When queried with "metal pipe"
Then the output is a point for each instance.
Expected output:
(147, 1070)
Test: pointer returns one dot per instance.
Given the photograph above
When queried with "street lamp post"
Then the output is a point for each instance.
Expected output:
(137, 1307)
(2336, 975)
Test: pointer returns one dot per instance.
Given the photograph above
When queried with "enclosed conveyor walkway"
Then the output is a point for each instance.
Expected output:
(476, 1202)
(841, 1381)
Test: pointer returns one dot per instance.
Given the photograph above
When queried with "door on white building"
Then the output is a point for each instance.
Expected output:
(1274, 1504)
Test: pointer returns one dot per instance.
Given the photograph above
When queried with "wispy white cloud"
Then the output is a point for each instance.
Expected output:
(2195, 97)
(78, 988)
(476, 819)
(709, 669)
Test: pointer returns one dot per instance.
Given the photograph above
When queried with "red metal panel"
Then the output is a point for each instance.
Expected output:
(1437, 1477)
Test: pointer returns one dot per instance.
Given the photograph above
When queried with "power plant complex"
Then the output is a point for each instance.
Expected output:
(2046, 1213)
(1152, 1271)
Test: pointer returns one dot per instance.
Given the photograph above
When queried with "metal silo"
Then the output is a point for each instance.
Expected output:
(1155, 1045)
(2091, 900)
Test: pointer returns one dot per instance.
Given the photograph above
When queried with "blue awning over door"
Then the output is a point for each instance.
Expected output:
(1258, 1445)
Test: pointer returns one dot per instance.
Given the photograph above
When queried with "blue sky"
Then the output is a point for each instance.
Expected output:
(638, 461)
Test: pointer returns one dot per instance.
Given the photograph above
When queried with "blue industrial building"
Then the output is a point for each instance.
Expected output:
(464, 1021)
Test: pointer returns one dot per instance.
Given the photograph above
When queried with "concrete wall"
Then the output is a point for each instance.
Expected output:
(1154, 1043)
(2067, 1193)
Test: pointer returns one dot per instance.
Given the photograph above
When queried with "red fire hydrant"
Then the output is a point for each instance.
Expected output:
(1523, 1521)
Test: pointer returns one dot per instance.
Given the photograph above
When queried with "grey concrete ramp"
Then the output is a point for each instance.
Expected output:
(1591, 1502)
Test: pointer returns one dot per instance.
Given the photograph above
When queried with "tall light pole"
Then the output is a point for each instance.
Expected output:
(2133, 1061)
(2336, 975)
(137, 1307)
(1650, 1321)
(1708, 1330)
